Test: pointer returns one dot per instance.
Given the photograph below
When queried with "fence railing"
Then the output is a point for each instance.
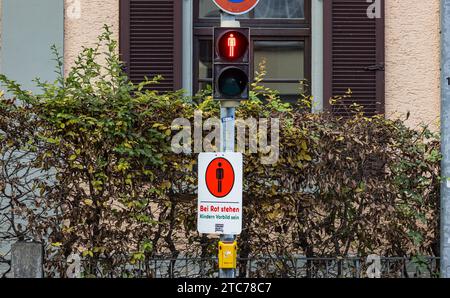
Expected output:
(276, 267)
(191, 267)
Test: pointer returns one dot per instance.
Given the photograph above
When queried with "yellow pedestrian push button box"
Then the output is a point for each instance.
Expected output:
(227, 255)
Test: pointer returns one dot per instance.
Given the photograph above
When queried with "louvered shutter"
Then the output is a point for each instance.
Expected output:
(353, 56)
(150, 41)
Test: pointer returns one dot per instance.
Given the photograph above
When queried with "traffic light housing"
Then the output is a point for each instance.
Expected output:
(231, 63)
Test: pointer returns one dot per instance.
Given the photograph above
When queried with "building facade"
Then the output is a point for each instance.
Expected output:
(386, 51)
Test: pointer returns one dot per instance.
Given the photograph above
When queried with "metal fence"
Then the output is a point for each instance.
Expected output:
(276, 267)
(256, 267)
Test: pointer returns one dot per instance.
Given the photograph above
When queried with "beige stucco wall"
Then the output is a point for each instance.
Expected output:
(413, 60)
(83, 31)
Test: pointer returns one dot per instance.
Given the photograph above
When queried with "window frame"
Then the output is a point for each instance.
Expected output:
(262, 29)
(269, 23)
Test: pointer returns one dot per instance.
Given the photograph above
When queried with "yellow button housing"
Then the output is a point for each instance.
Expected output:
(227, 255)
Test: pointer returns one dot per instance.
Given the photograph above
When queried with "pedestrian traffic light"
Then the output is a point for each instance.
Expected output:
(231, 63)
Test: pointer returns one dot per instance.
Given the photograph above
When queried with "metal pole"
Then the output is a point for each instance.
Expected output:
(227, 115)
(445, 139)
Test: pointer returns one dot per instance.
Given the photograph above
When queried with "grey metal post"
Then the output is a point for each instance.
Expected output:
(445, 139)
(227, 115)
(27, 260)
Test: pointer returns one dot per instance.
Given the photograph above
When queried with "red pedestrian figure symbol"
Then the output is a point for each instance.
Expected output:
(219, 176)
(231, 44)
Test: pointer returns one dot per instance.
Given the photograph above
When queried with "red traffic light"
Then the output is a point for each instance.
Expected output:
(231, 69)
(233, 45)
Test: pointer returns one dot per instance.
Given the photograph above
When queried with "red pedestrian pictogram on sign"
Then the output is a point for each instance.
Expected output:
(220, 177)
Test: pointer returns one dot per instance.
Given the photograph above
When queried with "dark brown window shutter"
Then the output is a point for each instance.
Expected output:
(150, 41)
(353, 56)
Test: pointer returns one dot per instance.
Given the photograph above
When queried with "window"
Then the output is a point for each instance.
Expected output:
(353, 56)
(151, 41)
(266, 9)
(280, 37)
(38, 24)
(348, 46)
